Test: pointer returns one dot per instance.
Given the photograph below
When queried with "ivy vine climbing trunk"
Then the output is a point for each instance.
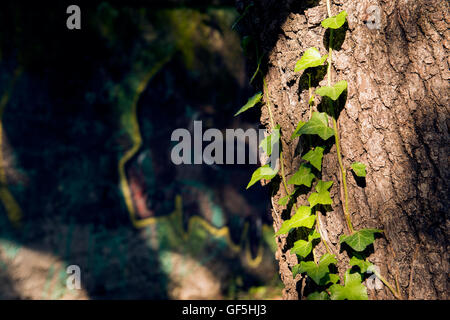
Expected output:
(395, 56)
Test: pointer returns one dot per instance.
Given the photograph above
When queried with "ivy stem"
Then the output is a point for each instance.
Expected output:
(282, 173)
(387, 284)
(310, 95)
(343, 177)
(336, 132)
(272, 123)
(314, 256)
(317, 215)
(330, 57)
(321, 237)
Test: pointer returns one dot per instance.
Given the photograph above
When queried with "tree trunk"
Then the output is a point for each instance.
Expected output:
(396, 121)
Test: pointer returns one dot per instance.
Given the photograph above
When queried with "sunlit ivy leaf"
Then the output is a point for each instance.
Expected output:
(299, 126)
(329, 278)
(317, 125)
(250, 103)
(318, 296)
(301, 218)
(313, 235)
(315, 157)
(310, 59)
(363, 264)
(332, 278)
(284, 201)
(322, 186)
(359, 240)
(335, 22)
(322, 196)
(295, 270)
(317, 271)
(264, 172)
(359, 168)
(268, 142)
(333, 92)
(302, 248)
(352, 290)
(302, 177)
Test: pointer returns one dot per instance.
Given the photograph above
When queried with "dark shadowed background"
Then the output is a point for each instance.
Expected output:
(86, 178)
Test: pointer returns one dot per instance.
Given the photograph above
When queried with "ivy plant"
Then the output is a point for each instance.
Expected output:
(306, 219)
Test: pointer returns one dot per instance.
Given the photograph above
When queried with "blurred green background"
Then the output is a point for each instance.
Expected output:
(86, 178)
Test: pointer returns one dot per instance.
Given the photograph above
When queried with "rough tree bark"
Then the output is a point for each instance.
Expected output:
(396, 121)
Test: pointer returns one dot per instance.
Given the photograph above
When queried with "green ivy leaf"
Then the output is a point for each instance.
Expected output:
(352, 290)
(323, 186)
(295, 270)
(318, 296)
(284, 201)
(301, 218)
(311, 58)
(363, 264)
(268, 142)
(302, 177)
(317, 125)
(315, 157)
(359, 168)
(332, 278)
(264, 172)
(316, 271)
(333, 92)
(299, 126)
(258, 68)
(359, 240)
(322, 196)
(313, 235)
(302, 248)
(250, 103)
(335, 22)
